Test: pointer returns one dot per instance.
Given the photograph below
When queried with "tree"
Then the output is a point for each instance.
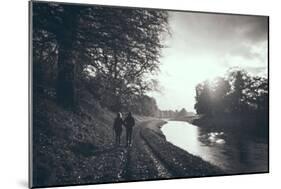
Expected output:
(132, 50)
(182, 113)
(240, 81)
(120, 45)
(237, 93)
(219, 96)
(203, 103)
(60, 22)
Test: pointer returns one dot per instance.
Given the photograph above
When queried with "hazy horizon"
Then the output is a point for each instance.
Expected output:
(203, 46)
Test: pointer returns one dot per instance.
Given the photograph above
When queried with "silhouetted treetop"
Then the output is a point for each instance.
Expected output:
(238, 93)
(109, 49)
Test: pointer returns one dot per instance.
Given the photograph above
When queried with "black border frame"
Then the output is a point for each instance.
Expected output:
(30, 93)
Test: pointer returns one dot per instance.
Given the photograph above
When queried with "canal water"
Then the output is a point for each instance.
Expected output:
(232, 153)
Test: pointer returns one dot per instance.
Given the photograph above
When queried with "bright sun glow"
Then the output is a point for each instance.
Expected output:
(204, 46)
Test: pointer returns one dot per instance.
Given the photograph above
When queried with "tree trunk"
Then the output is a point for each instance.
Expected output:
(117, 104)
(65, 79)
(66, 62)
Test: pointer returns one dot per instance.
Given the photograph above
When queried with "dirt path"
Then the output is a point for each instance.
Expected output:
(152, 157)
(142, 163)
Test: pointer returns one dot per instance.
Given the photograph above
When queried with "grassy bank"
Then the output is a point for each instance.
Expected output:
(180, 162)
(78, 147)
(189, 119)
(74, 147)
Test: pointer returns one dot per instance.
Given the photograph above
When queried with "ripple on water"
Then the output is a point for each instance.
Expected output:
(229, 153)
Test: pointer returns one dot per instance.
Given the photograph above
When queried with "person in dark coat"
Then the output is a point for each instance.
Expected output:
(129, 123)
(117, 125)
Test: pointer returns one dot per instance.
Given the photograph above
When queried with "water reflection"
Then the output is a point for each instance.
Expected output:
(233, 153)
(212, 137)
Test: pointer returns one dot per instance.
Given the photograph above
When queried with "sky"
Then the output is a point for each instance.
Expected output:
(202, 46)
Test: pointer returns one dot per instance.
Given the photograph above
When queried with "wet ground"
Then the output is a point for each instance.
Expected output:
(151, 157)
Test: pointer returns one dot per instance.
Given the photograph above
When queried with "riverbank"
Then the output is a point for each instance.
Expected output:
(238, 125)
(78, 148)
(178, 161)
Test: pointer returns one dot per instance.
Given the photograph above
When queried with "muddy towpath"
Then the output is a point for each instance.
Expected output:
(152, 157)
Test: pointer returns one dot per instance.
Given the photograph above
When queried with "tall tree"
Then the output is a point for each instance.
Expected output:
(121, 46)
(203, 103)
(131, 50)
(61, 22)
(238, 93)
(240, 80)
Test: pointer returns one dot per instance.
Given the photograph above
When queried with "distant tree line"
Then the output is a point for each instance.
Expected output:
(239, 95)
(106, 51)
(167, 113)
(174, 114)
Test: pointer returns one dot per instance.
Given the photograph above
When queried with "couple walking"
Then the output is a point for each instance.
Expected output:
(129, 123)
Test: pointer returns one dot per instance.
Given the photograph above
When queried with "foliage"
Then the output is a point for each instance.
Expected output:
(237, 93)
(108, 50)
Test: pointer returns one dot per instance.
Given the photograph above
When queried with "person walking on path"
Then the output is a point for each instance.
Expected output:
(117, 125)
(129, 123)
